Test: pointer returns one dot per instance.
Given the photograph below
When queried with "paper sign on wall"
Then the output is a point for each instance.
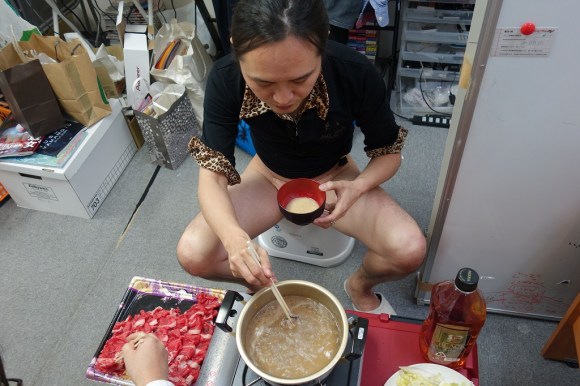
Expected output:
(511, 42)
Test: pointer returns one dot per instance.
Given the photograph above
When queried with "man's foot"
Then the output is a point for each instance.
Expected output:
(378, 305)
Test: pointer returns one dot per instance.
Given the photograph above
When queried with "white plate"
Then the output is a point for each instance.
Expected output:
(447, 374)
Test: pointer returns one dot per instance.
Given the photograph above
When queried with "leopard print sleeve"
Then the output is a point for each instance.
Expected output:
(213, 160)
(395, 148)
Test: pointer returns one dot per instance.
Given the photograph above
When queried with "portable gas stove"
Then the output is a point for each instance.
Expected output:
(223, 365)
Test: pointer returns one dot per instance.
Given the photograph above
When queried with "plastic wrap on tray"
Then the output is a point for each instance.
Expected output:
(147, 294)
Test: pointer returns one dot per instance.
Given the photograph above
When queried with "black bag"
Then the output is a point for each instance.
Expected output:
(29, 94)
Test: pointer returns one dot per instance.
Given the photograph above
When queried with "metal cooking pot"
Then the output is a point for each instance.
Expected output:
(288, 288)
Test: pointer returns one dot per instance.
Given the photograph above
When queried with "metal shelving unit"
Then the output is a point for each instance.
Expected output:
(433, 39)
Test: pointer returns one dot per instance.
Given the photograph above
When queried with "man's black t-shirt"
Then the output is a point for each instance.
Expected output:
(311, 146)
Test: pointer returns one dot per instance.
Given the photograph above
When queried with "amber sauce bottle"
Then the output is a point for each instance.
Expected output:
(456, 315)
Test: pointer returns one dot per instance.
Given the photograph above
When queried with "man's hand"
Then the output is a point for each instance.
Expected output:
(347, 192)
(244, 265)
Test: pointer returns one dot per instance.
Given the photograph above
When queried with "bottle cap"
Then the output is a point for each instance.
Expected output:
(466, 280)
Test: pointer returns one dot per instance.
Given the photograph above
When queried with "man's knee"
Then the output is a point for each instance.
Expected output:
(410, 251)
(184, 253)
(190, 255)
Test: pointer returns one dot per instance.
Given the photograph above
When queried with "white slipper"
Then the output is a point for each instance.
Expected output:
(383, 308)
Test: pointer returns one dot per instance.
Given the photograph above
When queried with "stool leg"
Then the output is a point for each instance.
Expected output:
(564, 343)
(576, 333)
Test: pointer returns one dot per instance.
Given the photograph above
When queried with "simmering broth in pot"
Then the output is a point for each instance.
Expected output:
(292, 351)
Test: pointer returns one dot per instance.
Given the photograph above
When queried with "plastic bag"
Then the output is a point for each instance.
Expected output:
(189, 65)
(110, 69)
(13, 25)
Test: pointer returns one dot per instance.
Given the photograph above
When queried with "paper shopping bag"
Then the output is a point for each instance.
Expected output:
(168, 134)
(72, 77)
(28, 93)
(108, 63)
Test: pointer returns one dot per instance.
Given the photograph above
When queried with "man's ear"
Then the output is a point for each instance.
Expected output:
(231, 40)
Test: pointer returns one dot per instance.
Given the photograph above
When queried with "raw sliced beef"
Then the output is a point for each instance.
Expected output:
(185, 335)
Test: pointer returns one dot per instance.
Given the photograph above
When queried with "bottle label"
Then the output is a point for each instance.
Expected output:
(448, 342)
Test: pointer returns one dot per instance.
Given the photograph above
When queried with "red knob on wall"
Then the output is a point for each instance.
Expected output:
(528, 28)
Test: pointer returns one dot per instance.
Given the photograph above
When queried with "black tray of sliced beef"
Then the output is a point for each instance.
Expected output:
(181, 316)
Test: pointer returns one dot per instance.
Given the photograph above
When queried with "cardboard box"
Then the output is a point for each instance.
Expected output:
(80, 187)
(136, 41)
(136, 56)
(135, 131)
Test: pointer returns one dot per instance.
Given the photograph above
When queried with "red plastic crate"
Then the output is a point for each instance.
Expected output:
(394, 341)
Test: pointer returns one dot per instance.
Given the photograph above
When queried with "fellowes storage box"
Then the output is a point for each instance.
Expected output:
(81, 185)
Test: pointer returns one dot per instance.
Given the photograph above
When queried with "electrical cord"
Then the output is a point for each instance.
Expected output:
(105, 13)
(85, 29)
(75, 15)
(98, 34)
(163, 16)
(174, 11)
(423, 95)
(402, 117)
(131, 9)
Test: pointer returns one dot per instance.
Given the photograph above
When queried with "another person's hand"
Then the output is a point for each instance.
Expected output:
(145, 358)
